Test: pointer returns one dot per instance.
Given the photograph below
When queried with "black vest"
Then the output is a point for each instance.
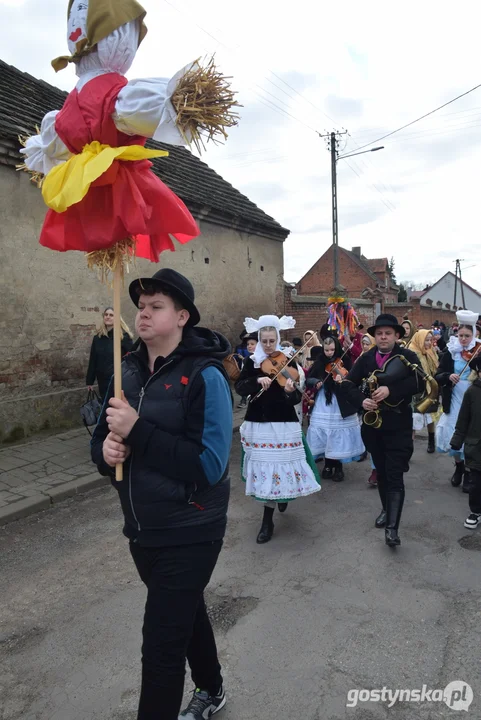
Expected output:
(160, 510)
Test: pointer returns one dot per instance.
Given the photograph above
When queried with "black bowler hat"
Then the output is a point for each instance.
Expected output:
(387, 320)
(181, 288)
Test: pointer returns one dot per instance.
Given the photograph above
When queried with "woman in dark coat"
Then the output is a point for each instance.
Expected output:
(101, 363)
(468, 432)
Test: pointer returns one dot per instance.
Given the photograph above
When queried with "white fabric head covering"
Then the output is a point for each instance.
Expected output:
(465, 317)
(114, 53)
(286, 322)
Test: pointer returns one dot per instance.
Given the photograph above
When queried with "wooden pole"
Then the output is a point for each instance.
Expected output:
(117, 350)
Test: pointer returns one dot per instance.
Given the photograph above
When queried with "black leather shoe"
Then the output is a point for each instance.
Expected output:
(265, 533)
(381, 519)
(282, 507)
(392, 538)
(326, 473)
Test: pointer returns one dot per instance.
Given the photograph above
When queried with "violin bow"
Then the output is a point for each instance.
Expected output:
(258, 394)
(333, 367)
(475, 354)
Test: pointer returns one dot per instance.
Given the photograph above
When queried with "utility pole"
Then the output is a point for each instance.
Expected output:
(332, 145)
(458, 271)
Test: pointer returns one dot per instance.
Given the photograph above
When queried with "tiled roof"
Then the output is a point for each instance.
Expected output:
(24, 100)
(377, 265)
(361, 261)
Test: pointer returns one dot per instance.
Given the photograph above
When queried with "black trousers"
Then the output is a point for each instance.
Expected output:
(475, 491)
(391, 451)
(176, 626)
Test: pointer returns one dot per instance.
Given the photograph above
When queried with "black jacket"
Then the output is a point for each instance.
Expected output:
(274, 405)
(445, 369)
(468, 427)
(331, 387)
(101, 363)
(176, 486)
(401, 388)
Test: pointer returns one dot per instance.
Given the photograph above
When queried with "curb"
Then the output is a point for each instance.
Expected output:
(46, 499)
(43, 501)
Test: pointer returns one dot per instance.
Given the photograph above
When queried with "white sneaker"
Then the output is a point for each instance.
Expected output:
(472, 521)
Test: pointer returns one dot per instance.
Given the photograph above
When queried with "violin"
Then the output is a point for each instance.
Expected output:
(469, 354)
(276, 366)
(337, 367)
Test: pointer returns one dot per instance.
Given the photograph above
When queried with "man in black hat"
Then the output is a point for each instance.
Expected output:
(173, 432)
(391, 444)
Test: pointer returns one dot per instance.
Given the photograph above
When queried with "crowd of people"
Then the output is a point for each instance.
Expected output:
(343, 421)
(320, 398)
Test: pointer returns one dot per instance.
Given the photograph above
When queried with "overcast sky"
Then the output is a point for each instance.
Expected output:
(368, 67)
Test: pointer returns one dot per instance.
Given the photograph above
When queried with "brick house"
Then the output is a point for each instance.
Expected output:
(367, 283)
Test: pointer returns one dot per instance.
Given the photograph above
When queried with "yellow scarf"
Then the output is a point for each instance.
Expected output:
(428, 358)
(68, 183)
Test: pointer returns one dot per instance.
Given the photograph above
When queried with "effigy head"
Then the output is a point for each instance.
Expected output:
(90, 21)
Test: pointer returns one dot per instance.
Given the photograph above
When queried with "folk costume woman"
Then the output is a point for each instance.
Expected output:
(334, 430)
(408, 332)
(453, 378)
(312, 340)
(422, 345)
(367, 342)
(277, 467)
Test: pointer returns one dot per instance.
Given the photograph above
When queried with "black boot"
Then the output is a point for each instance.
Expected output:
(267, 527)
(394, 506)
(282, 507)
(381, 488)
(457, 478)
(338, 474)
(431, 447)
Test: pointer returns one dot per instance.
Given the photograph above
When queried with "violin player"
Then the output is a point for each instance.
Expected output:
(334, 432)
(390, 441)
(277, 466)
(453, 379)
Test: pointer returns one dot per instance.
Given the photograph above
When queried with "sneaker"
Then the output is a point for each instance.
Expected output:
(203, 705)
(472, 521)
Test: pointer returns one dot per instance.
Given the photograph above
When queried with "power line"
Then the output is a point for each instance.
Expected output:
(454, 125)
(264, 100)
(373, 142)
(371, 186)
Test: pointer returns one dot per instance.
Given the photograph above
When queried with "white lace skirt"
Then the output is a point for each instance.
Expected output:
(332, 436)
(275, 465)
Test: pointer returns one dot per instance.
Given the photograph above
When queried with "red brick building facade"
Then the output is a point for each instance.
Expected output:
(366, 283)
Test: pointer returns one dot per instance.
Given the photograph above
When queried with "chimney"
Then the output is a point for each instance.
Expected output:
(356, 251)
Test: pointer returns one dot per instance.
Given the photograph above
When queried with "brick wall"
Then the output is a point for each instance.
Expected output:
(319, 279)
(310, 315)
(418, 313)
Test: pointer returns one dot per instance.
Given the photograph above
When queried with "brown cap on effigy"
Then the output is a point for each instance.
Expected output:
(103, 17)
